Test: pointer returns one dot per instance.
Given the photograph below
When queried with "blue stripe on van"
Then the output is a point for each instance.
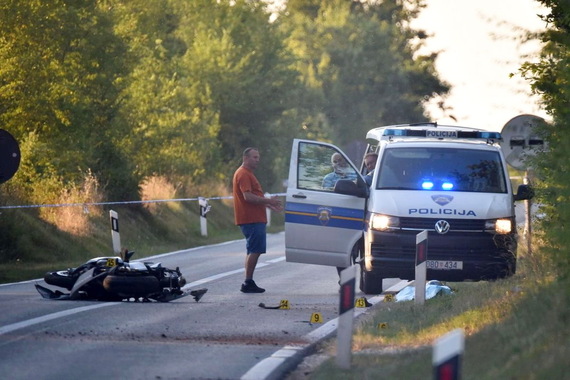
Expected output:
(318, 215)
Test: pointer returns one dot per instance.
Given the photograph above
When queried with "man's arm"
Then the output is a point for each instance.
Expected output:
(255, 199)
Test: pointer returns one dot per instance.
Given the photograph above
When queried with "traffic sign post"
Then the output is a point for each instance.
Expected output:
(346, 317)
(421, 267)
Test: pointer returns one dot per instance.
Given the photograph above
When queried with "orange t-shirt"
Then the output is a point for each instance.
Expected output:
(245, 212)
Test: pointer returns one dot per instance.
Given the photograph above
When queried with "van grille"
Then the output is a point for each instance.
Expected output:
(455, 224)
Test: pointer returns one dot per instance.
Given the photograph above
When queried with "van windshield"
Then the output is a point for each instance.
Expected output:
(441, 169)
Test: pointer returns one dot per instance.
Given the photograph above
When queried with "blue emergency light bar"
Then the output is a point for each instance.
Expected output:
(442, 134)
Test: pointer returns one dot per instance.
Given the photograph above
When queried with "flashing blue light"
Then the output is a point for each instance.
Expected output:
(489, 135)
(447, 186)
(427, 185)
(395, 132)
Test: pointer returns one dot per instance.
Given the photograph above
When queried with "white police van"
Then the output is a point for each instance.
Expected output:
(451, 181)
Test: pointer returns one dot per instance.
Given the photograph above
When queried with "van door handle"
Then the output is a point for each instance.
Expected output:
(302, 196)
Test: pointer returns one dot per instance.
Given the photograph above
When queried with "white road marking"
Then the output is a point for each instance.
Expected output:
(60, 314)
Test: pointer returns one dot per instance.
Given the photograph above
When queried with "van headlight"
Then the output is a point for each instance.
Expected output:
(382, 222)
(501, 226)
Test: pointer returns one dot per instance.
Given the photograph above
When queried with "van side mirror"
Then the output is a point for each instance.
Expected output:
(524, 192)
(348, 187)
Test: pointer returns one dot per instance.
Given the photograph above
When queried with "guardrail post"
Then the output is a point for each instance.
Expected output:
(421, 258)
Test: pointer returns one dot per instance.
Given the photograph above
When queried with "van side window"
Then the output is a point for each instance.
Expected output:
(319, 167)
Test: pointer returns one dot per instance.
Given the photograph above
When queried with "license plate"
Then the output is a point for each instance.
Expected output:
(444, 265)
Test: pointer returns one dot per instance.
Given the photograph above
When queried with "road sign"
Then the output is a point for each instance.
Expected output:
(520, 140)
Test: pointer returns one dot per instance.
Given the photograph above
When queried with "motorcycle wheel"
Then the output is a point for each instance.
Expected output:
(61, 279)
(131, 286)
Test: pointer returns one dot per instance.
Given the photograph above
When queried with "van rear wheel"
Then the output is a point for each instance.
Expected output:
(370, 283)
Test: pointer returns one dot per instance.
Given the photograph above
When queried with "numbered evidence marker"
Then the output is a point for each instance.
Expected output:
(360, 302)
(284, 305)
(382, 325)
(316, 318)
(388, 298)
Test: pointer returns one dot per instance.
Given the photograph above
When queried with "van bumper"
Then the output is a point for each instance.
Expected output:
(484, 256)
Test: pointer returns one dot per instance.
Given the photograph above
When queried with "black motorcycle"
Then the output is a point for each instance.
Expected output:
(114, 278)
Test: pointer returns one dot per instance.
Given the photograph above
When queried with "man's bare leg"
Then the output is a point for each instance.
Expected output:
(250, 263)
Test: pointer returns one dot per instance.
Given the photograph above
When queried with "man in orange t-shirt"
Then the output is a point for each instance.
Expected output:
(249, 210)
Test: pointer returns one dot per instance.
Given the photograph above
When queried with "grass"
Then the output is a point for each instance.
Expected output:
(517, 328)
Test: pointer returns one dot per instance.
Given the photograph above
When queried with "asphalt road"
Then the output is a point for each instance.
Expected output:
(224, 336)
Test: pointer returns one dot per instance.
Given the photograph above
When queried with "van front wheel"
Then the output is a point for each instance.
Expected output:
(370, 283)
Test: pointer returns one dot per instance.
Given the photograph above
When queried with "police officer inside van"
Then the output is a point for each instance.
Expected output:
(341, 170)
(370, 164)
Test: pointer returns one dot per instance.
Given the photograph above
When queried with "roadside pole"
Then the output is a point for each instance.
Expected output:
(116, 238)
(421, 258)
(204, 209)
(528, 220)
(346, 317)
(447, 354)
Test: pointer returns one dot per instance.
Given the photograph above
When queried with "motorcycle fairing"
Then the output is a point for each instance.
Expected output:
(50, 294)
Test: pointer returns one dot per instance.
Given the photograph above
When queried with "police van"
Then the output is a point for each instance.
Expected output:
(451, 181)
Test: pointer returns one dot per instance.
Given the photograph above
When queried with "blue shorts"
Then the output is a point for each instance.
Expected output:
(255, 237)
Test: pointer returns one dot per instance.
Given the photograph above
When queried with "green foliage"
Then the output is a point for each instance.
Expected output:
(359, 63)
(550, 78)
(61, 68)
(238, 59)
(128, 90)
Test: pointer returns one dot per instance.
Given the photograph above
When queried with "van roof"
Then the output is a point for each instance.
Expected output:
(430, 132)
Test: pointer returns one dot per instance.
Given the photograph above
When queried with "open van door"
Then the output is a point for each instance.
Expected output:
(325, 207)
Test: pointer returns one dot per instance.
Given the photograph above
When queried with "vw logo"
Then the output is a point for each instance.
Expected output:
(442, 227)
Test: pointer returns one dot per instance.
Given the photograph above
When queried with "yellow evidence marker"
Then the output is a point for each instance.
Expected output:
(360, 302)
(316, 318)
(284, 305)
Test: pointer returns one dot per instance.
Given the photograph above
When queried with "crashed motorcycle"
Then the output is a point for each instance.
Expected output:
(114, 278)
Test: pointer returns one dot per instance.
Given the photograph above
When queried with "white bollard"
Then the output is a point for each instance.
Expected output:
(116, 238)
(421, 258)
(346, 317)
(204, 209)
(447, 354)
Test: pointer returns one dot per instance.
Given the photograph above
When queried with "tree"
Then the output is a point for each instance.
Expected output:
(360, 65)
(550, 78)
(61, 65)
(237, 59)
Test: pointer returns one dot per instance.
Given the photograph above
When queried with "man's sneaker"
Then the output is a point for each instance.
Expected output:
(249, 286)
